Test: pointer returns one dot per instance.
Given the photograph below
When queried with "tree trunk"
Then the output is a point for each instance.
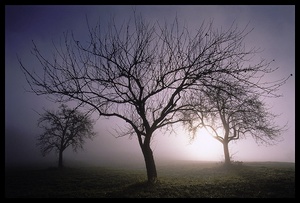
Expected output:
(60, 159)
(150, 163)
(226, 153)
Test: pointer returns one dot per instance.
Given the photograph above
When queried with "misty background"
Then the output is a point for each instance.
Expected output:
(274, 32)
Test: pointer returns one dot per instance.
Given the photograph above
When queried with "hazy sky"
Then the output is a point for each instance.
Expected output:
(274, 32)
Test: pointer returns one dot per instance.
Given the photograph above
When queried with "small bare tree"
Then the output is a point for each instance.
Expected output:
(62, 129)
(233, 114)
(139, 72)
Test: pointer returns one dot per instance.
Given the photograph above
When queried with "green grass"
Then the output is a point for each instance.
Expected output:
(175, 180)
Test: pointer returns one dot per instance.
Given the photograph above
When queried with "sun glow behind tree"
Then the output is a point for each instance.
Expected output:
(206, 147)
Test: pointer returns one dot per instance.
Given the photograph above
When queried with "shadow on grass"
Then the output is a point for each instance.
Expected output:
(233, 181)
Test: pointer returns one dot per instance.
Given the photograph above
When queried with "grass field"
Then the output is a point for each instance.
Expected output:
(184, 179)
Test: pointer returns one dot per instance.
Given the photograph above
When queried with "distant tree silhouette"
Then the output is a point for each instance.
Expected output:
(62, 129)
(140, 71)
(232, 115)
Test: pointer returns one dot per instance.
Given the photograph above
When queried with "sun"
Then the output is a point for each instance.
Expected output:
(205, 147)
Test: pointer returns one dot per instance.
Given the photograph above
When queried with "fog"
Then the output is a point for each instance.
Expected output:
(274, 32)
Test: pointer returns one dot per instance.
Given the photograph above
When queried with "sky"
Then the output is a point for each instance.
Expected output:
(274, 32)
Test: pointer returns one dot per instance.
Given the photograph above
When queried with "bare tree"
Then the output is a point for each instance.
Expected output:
(62, 129)
(140, 71)
(233, 114)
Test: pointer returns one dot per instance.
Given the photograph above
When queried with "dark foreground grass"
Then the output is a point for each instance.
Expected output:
(176, 180)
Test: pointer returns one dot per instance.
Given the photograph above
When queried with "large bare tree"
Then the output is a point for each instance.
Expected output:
(62, 129)
(140, 71)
